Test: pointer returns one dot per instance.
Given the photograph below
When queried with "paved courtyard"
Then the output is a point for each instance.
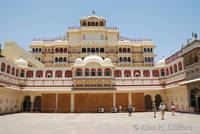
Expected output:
(97, 123)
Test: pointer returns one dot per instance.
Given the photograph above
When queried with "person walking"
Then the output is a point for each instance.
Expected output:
(154, 110)
(162, 109)
(130, 110)
(173, 108)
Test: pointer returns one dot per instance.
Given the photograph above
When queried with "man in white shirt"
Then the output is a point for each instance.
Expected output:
(162, 110)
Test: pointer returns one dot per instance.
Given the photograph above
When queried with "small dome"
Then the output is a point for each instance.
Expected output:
(78, 60)
(161, 63)
(93, 58)
(21, 63)
(107, 60)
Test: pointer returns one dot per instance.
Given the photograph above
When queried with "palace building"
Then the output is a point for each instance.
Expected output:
(94, 67)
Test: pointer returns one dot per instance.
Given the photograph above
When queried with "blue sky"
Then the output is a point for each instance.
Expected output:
(167, 22)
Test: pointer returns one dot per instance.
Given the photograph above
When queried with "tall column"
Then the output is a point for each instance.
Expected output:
(32, 103)
(56, 103)
(72, 102)
(114, 99)
(129, 98)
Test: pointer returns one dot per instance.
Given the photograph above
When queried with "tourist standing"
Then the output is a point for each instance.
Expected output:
(173, 108)
(162, 110)
(154, 110)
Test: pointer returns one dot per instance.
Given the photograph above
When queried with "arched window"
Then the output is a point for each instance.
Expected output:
(107, 72)
(93, 24)
(22, 73)
(29, 74)
(151, 50)
(49, 74)
(101, 23)
(39, 74)
(171, 70)
(145, 49)
(36, 50)
(127, 73)
(56, 59)
(124, 50)
(97, 50)
(60, 59)
(196, 59)
(97, 23)
(86, 72)
(88, 50)
(162, 71)
(136, 73)
(118, 73)
(149, 59)
(89, 24)
(125, 59)
(83, 50)
(128, 50)
(93, 50)
(146, 60)
(93, 72)
(99, 72)
(40, 50)
(57, 50)
(129, 59)
(64, 59)
(167, 71)
(13, 71)
(33, 49)
(102, 50)
(148, 50)
(175, 68)
(68, 73)
(120, 59)
(155, 73)
(146, 73)
(61, 50)
(58, 74)
(78, 72)
(84, 23)
(65, 50)
(3, 67)
(120, 50)
(8, 69)
(180, 66)
(17, 72)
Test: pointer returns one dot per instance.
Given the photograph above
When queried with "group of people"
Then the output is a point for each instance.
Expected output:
(162, 109)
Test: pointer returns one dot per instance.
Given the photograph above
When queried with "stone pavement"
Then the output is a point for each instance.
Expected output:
(99, 123)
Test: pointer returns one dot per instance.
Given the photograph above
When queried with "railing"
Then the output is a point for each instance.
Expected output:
(48, 52)
(112, 28)
(50, 39)
(131, 39)
(74, 52)
(47, 62)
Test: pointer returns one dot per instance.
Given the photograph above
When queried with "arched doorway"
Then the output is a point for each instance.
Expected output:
(37, 104)
(158, 100)
(148, 102)
(195, 99)
(27, 104)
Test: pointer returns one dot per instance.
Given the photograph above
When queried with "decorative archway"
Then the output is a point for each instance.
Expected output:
(27, 104)
(37, 104)
(148, 102)
(158, 100)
